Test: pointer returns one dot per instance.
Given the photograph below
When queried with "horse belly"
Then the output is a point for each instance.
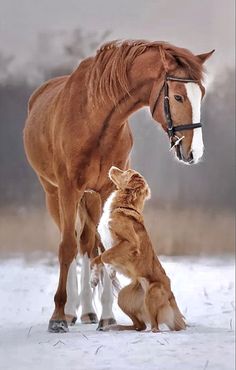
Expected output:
(39, 154)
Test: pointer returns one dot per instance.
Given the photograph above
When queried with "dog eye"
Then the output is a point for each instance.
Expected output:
(178, 98)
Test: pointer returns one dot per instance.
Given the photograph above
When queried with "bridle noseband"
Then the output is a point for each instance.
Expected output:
(175, 140)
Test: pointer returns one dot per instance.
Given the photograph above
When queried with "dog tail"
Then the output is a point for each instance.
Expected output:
(172, 318)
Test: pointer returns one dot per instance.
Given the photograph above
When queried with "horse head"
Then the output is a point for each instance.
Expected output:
(175, 103)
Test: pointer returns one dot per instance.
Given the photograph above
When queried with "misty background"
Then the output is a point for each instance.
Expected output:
(192, 208)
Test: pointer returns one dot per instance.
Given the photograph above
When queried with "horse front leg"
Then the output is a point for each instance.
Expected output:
(72, 301)
(107, 299)
(68, 201)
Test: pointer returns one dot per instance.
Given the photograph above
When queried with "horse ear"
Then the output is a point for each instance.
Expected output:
(205, 56)
(170, 62)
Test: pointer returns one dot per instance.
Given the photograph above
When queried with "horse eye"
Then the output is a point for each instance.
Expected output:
(179, 98)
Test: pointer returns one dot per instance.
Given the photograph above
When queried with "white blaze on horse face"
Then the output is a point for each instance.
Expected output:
(194, 95)
(103, 227)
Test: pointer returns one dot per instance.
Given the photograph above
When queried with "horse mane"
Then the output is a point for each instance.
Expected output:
(108, 74)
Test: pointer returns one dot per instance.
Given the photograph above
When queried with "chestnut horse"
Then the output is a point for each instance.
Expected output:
(77, 129)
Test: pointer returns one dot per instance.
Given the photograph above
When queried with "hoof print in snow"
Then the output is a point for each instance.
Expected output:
(58, 326)
(105, 323)
(89, 318)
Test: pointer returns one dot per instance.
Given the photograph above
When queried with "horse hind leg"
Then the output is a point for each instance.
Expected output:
(88, 314)
(99, 273)
(107, 298)
(90, 212)
(89, 215)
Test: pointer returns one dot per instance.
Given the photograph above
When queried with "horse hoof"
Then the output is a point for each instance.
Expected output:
(104, 323)
(58, 326)
(89, 318)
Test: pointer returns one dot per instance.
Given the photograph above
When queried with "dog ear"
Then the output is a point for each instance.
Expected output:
(114, 174)
(114, 170)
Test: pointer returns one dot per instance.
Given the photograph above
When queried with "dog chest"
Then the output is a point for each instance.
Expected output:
(103, 227)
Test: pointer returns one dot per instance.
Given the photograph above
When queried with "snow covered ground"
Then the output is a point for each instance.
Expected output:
(204, 288)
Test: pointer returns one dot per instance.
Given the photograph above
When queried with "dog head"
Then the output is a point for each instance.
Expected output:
(130, 180)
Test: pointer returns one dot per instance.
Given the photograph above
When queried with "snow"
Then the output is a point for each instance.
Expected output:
(204, 288)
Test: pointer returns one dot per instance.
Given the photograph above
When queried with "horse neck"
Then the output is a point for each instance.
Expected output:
(117, 115)
(142, 75)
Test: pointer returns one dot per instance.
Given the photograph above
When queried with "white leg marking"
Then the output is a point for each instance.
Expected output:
(110, 270)
(107, 297)
(72, 302)
(194, 95)
(86, 297)
(94, 276)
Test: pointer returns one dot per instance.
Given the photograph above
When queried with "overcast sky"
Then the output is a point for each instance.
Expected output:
(197, 25)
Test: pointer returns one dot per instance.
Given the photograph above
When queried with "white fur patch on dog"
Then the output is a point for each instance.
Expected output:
(103, 227)
(195, 95)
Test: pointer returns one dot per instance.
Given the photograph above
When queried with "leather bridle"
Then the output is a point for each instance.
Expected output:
(175, 141)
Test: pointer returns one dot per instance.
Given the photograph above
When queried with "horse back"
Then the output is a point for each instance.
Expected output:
(50, 87)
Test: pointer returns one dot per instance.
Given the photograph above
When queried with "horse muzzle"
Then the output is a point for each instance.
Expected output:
(187, 159)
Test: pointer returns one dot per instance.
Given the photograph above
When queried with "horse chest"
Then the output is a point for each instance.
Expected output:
(103, 227)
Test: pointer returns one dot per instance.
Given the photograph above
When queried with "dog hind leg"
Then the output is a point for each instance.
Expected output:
(131, 301)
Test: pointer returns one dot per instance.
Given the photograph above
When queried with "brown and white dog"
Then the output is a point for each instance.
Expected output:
(148, 299)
